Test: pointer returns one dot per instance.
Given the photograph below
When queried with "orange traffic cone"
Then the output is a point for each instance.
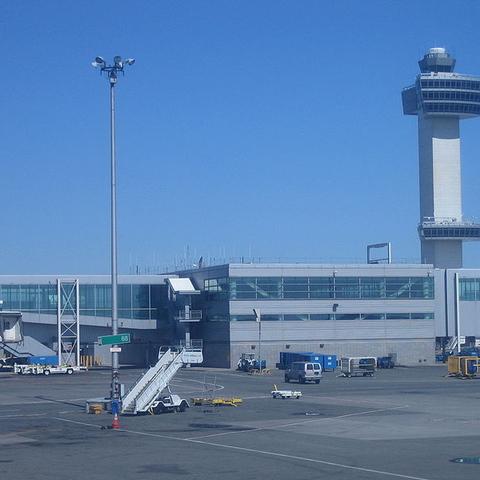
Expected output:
(115, 423)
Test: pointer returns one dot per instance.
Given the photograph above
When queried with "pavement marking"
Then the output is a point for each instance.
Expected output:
(210, 384)
(18, 433)
(13, 438)
(16, 439)
(312, 460)
(302, 422)
(22, 415)
(353, 400)
(252, 450)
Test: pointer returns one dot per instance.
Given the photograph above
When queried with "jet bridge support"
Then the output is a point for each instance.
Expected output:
(68, 323)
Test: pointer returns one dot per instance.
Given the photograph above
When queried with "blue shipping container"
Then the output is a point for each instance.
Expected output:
(287, 358)
(328, 362)
(47, 360)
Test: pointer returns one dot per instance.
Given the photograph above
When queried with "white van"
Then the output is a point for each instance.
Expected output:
(304, 372)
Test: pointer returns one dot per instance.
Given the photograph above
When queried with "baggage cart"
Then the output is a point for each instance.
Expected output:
(358, 366)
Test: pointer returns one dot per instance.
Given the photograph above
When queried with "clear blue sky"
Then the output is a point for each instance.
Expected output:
(265, 129)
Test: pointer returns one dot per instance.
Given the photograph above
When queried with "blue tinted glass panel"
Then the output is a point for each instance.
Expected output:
(87, 300)
(140, 302)
(398, 316)
(469, 289)
(103, 298)
(48, 299)
(11, 297)
(348, 316)
(245, 295)
(422, 316)
(300, 318)
(29, 297)
(321, 316)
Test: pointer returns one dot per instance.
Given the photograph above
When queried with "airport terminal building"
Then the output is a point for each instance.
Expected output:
(344, 310)
(373, 309)
(406, 311)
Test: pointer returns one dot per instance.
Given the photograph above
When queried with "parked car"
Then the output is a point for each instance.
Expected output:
(304, 372)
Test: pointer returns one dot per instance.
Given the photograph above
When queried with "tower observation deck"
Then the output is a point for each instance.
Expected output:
(440, 98)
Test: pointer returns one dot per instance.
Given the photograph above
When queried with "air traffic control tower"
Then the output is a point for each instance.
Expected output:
(440, 98)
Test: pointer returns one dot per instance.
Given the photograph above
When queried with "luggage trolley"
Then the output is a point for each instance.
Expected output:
(358, 366)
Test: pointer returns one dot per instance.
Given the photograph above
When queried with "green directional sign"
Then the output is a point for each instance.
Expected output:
(114, 339)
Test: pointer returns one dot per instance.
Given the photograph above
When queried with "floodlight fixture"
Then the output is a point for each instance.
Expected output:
(112, 71)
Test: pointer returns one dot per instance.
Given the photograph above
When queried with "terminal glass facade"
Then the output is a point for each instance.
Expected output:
(318, 288)
(329, 316)
(469, 289)
(139, 302)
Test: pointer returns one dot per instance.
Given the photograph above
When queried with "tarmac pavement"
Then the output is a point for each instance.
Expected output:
(405, 423)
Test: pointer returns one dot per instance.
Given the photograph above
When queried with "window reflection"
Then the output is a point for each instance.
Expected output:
(297, 288)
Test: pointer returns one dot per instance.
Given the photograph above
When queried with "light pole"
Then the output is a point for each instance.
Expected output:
(258, 319)
(112, 72)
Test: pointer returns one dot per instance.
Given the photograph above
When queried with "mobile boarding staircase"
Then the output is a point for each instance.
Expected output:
(452, 343)
(145, 391)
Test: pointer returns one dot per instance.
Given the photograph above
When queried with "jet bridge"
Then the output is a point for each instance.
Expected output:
(11, 337)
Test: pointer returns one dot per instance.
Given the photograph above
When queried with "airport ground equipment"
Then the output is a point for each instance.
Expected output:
(30, 360)
(147, 390)
(46, 369)
(304, 372)
(469, 352)
(15, 347)
(248, 363)
(233, 402)
(265, 371)
(358, 366)
(328, 362)
(463, 367)
(276, 393)
(209, 398)
(385, 362)
(168, 402)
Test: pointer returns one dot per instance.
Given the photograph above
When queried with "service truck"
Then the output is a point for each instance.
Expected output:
(45, 369)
